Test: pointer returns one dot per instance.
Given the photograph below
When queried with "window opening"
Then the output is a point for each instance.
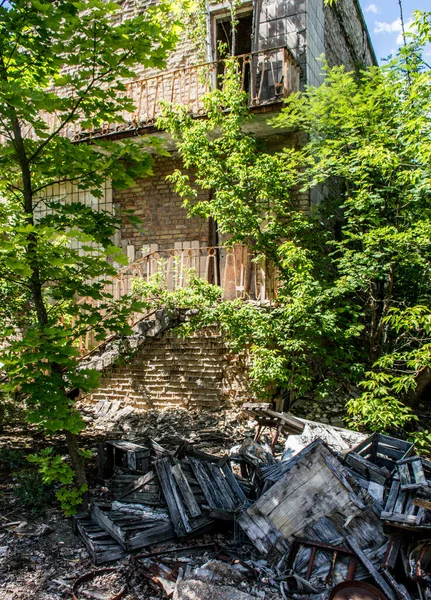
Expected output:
(237, 45)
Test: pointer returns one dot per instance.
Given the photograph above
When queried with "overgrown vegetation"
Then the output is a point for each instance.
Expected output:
(63, 63)
(353, 303)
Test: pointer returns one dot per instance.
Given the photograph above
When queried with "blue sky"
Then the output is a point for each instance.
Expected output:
(384, 25)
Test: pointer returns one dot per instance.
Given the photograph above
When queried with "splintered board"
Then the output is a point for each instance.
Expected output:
(314, 487)
(132, 531)
(183, 505)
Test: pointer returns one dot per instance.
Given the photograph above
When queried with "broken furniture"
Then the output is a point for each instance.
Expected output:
(266, 417)
(315, 519)
(314, 496)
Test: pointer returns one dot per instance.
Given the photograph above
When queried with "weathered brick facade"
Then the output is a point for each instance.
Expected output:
(308, 28)
(199, 372)
(169, 370)
(155, 202)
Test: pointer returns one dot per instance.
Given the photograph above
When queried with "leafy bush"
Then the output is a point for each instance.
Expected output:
(32, 492)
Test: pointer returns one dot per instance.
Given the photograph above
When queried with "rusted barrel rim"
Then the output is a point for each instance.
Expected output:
(91, 575)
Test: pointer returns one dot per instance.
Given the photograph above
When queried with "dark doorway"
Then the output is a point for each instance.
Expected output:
(242, 38)
(240, 46)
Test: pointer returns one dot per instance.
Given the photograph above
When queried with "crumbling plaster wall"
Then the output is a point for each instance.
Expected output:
(347, 41)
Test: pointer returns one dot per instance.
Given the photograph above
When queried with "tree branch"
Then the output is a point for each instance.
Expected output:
(76, 106)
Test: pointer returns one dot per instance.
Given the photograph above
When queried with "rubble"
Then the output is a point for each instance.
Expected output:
(187, 520)
(344, 509)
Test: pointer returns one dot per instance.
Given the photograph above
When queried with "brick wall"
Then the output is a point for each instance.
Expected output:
(154, 200)
(169, 371)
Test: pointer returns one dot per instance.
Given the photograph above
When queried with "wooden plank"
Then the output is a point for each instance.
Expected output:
(392, 551)
(399, 588)
(176, 509)
(139, 483)
(388, 451)
(392, 497)
(404, 473)
(377, 491)
(400, 502)
(292, 423)
(186, 491)
(247, 406)
(395, 442)
(371, 568)
(366, 468)
(205, 483)
(399, 518)
(418, 471)
(229, 500)
(366, 445)
(230, 477)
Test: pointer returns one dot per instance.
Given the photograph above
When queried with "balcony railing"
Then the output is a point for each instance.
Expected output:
(267, 77)
(231, 268)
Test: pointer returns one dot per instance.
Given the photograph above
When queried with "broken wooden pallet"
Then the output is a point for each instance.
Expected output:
(400, 506)
(130, 530)
(185, 512)
(411, 473)
(101, 547)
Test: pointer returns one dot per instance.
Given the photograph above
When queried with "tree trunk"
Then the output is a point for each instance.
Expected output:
(423, 379)
(36, 287)
(78, 465)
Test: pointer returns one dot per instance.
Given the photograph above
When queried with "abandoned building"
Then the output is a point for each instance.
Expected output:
(278, 46)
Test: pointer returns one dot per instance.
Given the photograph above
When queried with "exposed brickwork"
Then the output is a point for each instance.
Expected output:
(168, 370)
(164, 219)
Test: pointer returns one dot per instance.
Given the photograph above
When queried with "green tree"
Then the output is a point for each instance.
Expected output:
(64, 63)
(354, 274)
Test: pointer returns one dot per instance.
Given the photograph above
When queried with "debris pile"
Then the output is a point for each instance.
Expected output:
(319, 515)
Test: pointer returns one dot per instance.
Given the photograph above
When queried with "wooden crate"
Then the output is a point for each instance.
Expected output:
(400, 506)
(383, 450)
(123, 454)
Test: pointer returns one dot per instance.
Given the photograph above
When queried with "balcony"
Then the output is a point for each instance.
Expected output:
(267, 76)
(232, 268)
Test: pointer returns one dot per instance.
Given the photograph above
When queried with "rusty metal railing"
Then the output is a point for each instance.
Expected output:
(267, 77)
